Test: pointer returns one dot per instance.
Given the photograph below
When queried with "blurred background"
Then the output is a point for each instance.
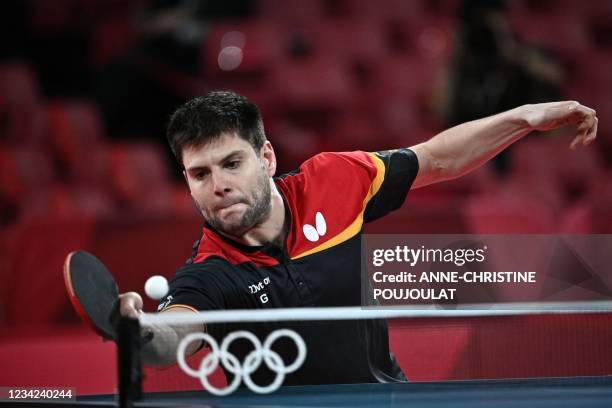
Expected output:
(86, 87)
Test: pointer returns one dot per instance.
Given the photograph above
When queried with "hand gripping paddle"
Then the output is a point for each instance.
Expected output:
(93, 292)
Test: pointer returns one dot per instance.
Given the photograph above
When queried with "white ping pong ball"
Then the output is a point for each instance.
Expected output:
(156, 287)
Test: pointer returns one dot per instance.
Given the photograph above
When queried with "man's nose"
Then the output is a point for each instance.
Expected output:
(220, 182)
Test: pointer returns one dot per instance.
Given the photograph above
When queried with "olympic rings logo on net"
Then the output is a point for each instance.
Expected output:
(261, 353)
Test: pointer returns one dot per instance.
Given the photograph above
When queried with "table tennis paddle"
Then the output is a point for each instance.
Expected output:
(93, 292)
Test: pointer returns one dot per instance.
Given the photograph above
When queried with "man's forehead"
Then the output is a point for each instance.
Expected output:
(214, 150)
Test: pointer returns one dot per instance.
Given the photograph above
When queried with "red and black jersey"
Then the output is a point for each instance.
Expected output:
(327, 201)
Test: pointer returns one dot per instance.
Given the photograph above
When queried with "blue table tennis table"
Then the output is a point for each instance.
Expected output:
(534, 392)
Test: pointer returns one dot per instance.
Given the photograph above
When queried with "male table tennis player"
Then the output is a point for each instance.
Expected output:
(294, 240)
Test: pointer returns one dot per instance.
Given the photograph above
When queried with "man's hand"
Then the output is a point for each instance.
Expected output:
(553, 115)
(130, 304)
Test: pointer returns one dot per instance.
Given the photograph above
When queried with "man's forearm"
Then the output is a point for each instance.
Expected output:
(465, 147)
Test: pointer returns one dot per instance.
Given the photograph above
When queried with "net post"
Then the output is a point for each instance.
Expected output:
(130, 367)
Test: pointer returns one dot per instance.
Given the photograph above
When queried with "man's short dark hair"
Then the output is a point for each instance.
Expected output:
(207, 117)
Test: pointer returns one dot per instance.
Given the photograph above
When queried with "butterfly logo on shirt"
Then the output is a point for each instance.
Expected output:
(313, 233)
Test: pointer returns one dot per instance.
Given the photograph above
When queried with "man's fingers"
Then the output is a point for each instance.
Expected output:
(592, 133)
(129, 311)
(130, 304)
(575, 142)
(585, 125)
(587, 128)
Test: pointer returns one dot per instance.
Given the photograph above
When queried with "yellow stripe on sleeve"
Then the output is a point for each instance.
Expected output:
(356, 225)
(177, 306)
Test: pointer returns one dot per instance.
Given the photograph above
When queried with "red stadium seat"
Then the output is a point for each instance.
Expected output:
(404, 119)
(312, 91)
(82, 200)
(19, 85)
(382, 11)
(48, 18)
(356, 128)
(291, 12)
(400, 92)
(112, 38)
(545, 163)
(535, 9)
(565, 34)
(5, 274)
(241, 56)
(495, 214)
(241, 50)
(23, 118)
(26, 181)
(313, 82)
(295, 144)
(405, 75)
(592, 214)
(430, 38)
(77, 135)
(361, 41)
(444, 8)
(30, 188)
(588, 218)
(593, 73)
(139, 176)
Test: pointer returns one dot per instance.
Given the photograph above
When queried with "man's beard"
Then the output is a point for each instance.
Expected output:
(257, 212)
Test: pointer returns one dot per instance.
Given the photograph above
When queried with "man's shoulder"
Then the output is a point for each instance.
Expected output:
(333, 167)
(339, 161)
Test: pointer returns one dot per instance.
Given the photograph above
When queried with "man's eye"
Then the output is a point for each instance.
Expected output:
(234, 164)
(200, 175)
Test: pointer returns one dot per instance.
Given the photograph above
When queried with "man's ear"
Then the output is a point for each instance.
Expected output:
(269, 157)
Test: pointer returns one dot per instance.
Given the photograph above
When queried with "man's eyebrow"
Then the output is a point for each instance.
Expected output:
(231, 155)
(225, 158)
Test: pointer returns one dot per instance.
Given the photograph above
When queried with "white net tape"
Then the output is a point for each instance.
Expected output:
(353, 313)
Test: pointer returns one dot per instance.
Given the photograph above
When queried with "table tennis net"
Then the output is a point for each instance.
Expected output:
(259, 351)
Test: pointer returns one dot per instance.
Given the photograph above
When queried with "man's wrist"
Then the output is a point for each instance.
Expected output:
(525, 117)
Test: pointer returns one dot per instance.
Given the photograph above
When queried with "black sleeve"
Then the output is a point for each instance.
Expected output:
(194, 285)
(401, 168)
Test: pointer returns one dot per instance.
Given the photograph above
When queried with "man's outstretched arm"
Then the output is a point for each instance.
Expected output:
(465, 147)
(160, 351)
